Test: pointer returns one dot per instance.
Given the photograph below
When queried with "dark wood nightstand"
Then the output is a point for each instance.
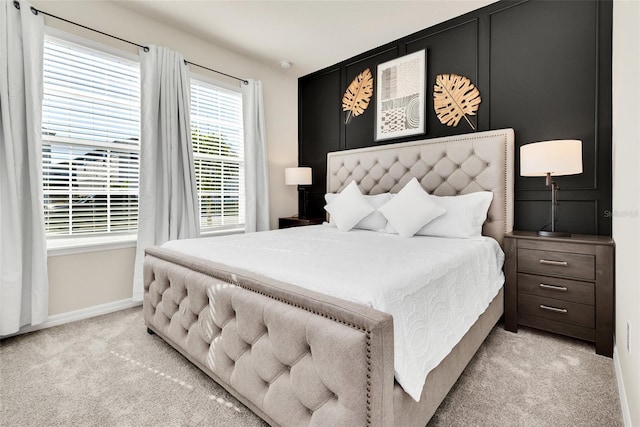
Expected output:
(563, 285)
(294, 221)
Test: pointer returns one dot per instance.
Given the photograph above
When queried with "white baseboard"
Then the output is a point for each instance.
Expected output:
(83, 313)
(626, 415)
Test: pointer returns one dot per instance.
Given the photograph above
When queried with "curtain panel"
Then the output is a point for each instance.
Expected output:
(168, 200)
(255, 157)
(24, 287)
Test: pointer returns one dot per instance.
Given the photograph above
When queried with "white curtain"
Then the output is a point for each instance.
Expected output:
(255, 159)
(24, 287)
(168, 201)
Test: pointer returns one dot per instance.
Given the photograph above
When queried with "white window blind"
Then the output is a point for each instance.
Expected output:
(91, 130)
(218, 151)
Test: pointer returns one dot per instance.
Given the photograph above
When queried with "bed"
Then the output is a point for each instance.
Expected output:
(297, 356)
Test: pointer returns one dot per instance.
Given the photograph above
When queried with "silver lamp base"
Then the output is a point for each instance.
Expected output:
(546, 233)
(554, 203)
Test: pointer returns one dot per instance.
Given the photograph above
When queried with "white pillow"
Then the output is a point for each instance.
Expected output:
(464, 218)
(410, 209)
(349, 207)
(375, 221)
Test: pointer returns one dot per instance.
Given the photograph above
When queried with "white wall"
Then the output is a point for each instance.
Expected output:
(89, 279)
(71, 287)
(626, 194)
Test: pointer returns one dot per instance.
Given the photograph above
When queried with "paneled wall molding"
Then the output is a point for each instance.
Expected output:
(542, 68)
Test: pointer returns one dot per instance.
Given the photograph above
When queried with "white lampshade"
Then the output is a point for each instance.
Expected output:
(297, 176)
(557, 158)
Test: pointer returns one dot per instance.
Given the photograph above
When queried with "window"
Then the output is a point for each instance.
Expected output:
(90, 151)
(218, 152)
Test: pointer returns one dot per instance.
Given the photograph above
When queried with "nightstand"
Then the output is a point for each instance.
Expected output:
(563, 285)
(294, 221)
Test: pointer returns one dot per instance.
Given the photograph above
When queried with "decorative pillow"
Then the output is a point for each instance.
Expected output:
(410, 209)
(349, 207)
(375, 221)
(464, 217)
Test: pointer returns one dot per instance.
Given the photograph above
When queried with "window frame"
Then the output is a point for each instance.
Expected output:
(231, 228)
(70, 244)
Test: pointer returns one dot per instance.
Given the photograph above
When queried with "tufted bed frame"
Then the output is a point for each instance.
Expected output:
(300, 358)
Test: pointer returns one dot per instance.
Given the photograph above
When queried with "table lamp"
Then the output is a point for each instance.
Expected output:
(299, 176)
(552, 158)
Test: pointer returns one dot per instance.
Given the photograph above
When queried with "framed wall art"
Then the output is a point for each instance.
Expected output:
(400, 97)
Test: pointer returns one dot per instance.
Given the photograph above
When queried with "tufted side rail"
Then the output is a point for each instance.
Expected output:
(448, 166)
(293, 356)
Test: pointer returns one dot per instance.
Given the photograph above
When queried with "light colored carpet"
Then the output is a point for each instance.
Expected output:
(107, 371)
(533, 378)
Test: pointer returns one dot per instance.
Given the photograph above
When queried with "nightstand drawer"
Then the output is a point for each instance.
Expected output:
(557, 310)
(552, 287)
(552, 263)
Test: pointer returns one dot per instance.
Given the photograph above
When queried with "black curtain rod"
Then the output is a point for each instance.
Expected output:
(216, 71)
(35, 11)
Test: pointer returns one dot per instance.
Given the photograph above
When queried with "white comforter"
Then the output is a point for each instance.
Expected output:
(435, 288)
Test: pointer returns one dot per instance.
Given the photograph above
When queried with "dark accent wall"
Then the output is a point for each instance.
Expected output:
(542, 67)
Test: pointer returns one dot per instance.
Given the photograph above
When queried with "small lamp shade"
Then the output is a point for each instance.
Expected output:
(297, 176)
(557, 158)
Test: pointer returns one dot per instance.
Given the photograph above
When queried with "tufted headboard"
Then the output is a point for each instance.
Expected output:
(448, 166)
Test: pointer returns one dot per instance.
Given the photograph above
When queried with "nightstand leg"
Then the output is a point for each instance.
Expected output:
(511, 285)
(605, 300)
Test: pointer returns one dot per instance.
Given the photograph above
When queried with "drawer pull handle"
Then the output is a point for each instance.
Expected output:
(557, 310)
(553, 287)
(550, 262)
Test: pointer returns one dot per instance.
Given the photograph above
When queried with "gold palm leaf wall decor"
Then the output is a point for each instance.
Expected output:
(356, 98)
(455, 97)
